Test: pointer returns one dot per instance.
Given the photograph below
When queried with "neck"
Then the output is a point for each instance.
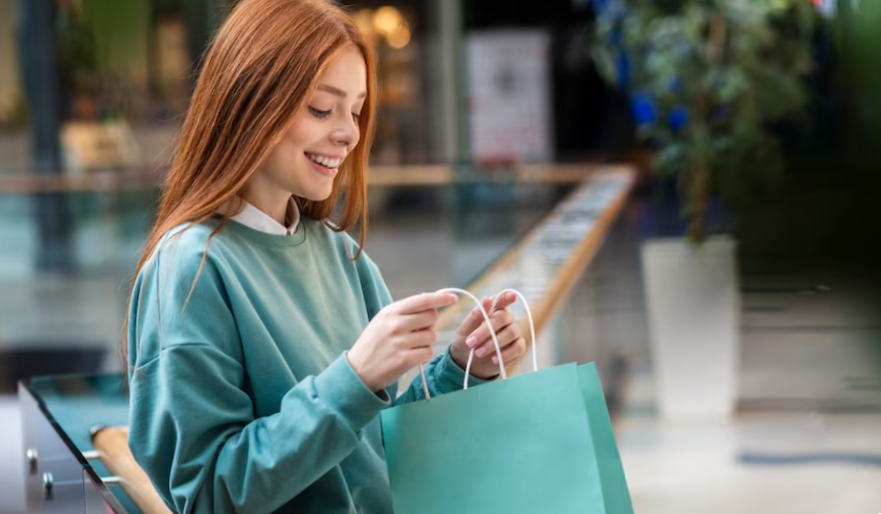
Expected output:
(274, 205)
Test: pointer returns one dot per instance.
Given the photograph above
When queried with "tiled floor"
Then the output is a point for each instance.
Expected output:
(821, 464)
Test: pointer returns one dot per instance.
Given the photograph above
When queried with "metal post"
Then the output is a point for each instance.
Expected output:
(449, 106)
(443, 86)
(40, 71)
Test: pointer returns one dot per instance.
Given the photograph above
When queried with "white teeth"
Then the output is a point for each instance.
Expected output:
(325, 161)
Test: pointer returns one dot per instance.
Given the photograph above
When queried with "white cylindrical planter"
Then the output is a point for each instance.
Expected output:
(693, 304)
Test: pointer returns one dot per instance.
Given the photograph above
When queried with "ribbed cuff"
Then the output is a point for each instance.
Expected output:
(341, 388)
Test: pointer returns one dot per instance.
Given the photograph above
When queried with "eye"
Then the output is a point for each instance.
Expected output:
(319, 113)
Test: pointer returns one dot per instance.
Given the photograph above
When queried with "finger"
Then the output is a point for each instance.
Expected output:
(473, 320)
(419, 339)
(425, 354)
(506, 336)
(423, 302)
(416, 356)
(499, 319)
(512, 352)
(413, 322)
(506, 300)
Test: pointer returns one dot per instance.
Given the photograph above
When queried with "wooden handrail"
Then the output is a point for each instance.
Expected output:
(108, 181)
(566, 276)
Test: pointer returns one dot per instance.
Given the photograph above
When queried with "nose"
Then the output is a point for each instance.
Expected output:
(347, 133)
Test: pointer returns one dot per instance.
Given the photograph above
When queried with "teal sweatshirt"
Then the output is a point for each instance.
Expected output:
(243, 400)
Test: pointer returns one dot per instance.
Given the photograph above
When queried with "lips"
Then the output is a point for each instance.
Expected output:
(327, 161)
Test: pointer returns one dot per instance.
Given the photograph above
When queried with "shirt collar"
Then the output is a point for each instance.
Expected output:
(256, 219)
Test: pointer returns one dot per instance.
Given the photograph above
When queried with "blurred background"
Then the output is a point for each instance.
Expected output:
(752, 127)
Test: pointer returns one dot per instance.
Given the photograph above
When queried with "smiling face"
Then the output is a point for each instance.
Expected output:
(307, 158)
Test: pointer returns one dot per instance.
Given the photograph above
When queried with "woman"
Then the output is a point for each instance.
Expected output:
(262, 341)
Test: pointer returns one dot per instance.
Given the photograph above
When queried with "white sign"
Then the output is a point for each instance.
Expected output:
(508, 79)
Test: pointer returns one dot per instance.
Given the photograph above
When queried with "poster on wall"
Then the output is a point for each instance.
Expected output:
(509, 96)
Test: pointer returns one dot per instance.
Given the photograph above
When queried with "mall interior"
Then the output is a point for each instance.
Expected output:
(683, 190)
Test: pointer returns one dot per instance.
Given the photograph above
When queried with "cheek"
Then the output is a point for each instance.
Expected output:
(281, 158)
(289, 150)
(302, 134)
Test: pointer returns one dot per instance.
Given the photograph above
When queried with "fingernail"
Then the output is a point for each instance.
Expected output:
(495, 360)
(480, 352)
(471, 341)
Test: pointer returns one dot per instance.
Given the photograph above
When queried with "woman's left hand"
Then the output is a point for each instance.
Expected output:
(473, 333)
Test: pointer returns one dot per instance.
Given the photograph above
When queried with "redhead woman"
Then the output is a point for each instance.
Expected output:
(262, 341)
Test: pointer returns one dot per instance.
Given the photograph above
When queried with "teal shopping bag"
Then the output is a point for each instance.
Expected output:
(536, 443)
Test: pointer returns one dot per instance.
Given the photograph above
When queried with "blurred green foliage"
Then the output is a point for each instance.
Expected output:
(715, 75)
(77, 50)
(860, 33)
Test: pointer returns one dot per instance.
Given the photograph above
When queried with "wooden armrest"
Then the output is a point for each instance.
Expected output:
(112, 445)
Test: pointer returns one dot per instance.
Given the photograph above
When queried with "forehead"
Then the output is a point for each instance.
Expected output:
(347, 72)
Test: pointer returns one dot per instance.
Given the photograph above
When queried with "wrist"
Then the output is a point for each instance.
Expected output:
(357, 367)
(460, 352)
(484, 376)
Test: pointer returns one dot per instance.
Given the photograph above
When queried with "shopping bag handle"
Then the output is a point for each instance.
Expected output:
(498, 353)
(457, 291)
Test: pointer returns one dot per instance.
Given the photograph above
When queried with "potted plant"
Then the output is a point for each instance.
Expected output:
(709, 82)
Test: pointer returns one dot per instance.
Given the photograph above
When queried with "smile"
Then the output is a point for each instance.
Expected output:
(327, 162)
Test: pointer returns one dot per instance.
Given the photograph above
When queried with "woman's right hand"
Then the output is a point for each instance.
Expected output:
(397, 339)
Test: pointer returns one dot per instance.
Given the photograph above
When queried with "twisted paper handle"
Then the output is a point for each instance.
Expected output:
(531, 334)
(492, 334)
(458, 291)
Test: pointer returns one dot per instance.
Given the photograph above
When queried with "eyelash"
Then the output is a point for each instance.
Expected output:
(324, 114)
(319, 114)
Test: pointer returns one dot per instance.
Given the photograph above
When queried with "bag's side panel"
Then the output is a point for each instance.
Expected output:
(611, 470)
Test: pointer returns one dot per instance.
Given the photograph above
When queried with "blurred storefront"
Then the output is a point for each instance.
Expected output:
(136, 61)
(92, 93)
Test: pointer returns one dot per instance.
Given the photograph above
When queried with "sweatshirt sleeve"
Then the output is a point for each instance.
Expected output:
(192, 424)
(443, 376)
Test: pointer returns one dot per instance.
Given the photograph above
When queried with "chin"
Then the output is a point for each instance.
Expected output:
(317, 195)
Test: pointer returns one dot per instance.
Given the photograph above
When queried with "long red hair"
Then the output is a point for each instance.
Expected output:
(256, 78)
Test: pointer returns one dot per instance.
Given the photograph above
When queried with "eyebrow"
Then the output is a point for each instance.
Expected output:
(337, 91)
